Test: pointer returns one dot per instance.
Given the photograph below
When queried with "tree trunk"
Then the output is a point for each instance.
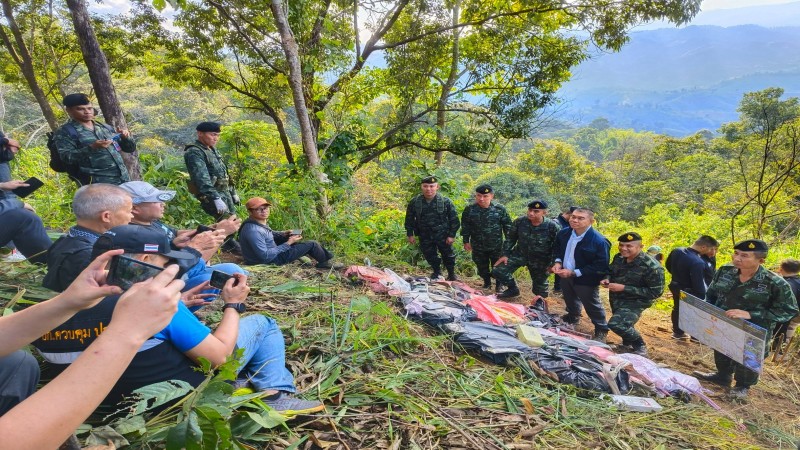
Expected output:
(100, 75)
(307, 132)
(22, 57)
(452, 77)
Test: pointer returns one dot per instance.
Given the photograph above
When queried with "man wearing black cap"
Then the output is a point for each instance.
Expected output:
(634, 282)
(483, 226)
(747, 291)
(209, 175)
(530, 243)
(94, 148)
(434, 219)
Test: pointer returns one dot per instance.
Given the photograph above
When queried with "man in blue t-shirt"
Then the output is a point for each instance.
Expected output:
(173, 353)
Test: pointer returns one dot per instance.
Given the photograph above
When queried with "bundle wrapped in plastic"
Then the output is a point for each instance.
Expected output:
(372, 276)
(395, 284)
(497, 312)
(666, 380)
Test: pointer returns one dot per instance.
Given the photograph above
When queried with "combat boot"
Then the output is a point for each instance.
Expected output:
(510, 292)
(600, 336)
(451, 274)
(739, 393)
(639, 348)
(487, 282)
(714, 377)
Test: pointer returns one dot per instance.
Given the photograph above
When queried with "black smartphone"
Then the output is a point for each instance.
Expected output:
(202, 229)
(295, 232)
(125, 272)
(218, 279)
(33, 184)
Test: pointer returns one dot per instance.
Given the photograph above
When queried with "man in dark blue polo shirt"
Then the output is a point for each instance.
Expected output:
(689, 267)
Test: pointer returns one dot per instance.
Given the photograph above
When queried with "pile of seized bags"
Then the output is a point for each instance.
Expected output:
(499, 330)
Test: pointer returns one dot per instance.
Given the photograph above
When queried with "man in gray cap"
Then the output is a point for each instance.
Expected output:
(148, 210)
(90, 146)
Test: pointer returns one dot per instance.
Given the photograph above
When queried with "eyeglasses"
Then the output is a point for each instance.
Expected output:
(259, 209)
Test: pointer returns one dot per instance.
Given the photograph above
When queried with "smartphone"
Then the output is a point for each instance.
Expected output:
(33, 184)
(202, 229)
(295, 232)
(218, 279)
(125, 272)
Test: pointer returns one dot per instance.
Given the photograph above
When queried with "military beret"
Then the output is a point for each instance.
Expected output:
(484, 189)
(212, 127)
(752, 245)
(429, 180)
(630, 237)
(573, 208)
(537, 204)
(76, 100)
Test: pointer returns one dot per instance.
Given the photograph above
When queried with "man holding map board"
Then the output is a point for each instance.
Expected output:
(748, 291)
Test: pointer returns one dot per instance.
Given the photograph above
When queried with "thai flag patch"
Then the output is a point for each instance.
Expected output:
(151, 248)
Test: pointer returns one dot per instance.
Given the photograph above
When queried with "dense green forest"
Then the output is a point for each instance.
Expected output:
(446, 103)
(339, 145)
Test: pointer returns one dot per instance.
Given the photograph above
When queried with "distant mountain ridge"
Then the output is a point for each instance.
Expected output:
(679, 81)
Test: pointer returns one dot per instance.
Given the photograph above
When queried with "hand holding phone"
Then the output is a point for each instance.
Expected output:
(202, 229)
(296, 232)
(125, 272)
(33, 184)
(116, 137)
(218, 279)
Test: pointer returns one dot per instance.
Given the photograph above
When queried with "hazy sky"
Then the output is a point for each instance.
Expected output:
(708, 5)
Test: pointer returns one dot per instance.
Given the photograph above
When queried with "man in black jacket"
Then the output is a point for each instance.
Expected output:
(581, 257)
(98, 208)
(689, 267)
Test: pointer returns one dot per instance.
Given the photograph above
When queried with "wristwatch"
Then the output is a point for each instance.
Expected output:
(239, 307)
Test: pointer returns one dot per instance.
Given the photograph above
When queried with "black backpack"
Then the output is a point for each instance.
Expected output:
(59, 165)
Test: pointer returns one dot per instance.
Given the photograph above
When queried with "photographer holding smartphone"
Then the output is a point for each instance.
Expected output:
(30, 421)
(173, 352)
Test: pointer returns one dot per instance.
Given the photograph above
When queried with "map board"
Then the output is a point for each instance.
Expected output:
(737, 339)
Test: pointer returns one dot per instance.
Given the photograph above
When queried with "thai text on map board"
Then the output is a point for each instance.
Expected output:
(737, 339)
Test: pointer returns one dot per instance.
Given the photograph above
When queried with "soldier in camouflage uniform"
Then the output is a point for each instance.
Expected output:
(530, 243)
(635, 281)
(209, 175)
(91, 145)
(748, 291)
(434, 219)
(483, 226)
